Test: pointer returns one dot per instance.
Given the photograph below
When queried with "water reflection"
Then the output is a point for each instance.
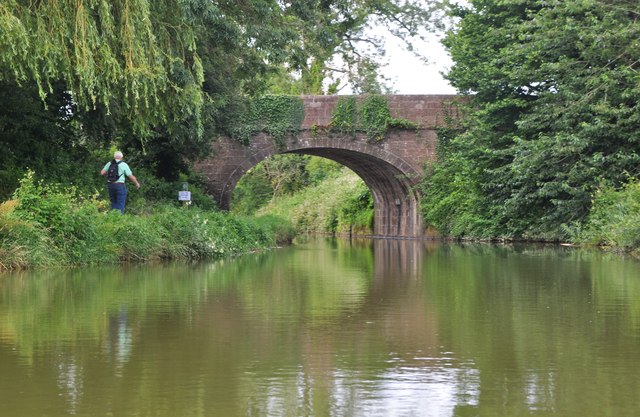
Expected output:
(69, 378)
(118, 342)
(329, 328)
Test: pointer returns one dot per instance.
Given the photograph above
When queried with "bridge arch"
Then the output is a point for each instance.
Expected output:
(390, 180)
(390, 168)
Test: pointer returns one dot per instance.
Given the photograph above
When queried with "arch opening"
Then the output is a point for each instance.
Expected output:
(396, 204)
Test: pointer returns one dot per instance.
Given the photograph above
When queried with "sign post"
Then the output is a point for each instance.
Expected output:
(185, 195)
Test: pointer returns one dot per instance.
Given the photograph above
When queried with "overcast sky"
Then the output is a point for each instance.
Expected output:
(411, 76)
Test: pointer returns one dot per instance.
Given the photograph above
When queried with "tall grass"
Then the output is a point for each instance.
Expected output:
(45, 225)
(614, 219)
(339, 204)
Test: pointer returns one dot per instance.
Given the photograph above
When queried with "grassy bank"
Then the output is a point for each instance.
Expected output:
(44, 225)
(454, 207)
(613, 221)
(340, 204)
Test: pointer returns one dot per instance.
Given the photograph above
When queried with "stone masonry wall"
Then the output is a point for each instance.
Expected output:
(389, 168)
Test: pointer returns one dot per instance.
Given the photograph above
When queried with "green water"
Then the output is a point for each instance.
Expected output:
(329, 328)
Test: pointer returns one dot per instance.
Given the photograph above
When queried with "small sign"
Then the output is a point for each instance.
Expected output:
(184, 195)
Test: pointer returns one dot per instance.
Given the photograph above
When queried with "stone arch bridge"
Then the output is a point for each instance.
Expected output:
(390, 168)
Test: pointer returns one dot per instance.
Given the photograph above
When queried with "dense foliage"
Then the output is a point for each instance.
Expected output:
(47, 225)
(156, 63)
(275, 115)
(614, 220)
(339, 204)
(554, 89)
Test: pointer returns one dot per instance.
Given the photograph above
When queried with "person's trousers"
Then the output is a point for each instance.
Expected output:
(117, 195)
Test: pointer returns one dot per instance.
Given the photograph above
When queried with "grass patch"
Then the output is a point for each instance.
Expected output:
(614, 219)
(336, 205)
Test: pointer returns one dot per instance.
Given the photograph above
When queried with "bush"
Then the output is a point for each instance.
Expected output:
(355, 214)
(46, 225)
(67, 219)
(453, 203)
(21, 242)
(614, 219)
(282, 230)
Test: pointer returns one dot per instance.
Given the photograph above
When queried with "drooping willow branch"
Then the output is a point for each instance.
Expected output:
(105, 51)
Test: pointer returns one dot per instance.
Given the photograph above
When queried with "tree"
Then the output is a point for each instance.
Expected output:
(48, 141)
(341, 41)
(105, 51)
(554, 92)
(161, 78)
(582, 130)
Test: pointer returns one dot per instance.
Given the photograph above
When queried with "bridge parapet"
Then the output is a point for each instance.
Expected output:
(426, 110)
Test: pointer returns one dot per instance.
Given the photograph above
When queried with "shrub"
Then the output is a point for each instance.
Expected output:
(614, 219)
(280, 228)
(50, 225)
(453, 202)
(22, 243)
(355, 214)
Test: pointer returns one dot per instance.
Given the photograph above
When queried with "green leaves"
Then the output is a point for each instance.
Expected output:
(374, 117)
(344, 118)
(276, 115)
(370, 115)
(614, 220)
(554, 110)
(106, 52)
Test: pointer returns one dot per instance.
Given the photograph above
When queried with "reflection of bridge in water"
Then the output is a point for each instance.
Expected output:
(397, 257)
(390, 169)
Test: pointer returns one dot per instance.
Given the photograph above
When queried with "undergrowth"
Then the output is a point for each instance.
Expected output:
(47, 225)
(614, 219)
(341, 204)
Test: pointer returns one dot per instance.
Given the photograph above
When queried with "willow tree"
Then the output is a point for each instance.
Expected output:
(138, 53)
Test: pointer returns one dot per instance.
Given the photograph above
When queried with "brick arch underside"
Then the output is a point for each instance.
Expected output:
(396, 204)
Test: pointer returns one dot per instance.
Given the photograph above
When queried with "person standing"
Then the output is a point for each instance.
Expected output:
(116, 187)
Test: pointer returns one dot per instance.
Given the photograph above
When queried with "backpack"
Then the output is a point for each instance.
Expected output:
(112, 172)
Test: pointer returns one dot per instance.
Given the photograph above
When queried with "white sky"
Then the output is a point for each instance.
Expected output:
(409, 75)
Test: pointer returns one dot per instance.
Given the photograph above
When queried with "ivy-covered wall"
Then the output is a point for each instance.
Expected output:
(276, 115)
(281, 115)
(371, 115)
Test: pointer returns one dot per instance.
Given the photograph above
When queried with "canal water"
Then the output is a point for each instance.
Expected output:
(329, 328)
